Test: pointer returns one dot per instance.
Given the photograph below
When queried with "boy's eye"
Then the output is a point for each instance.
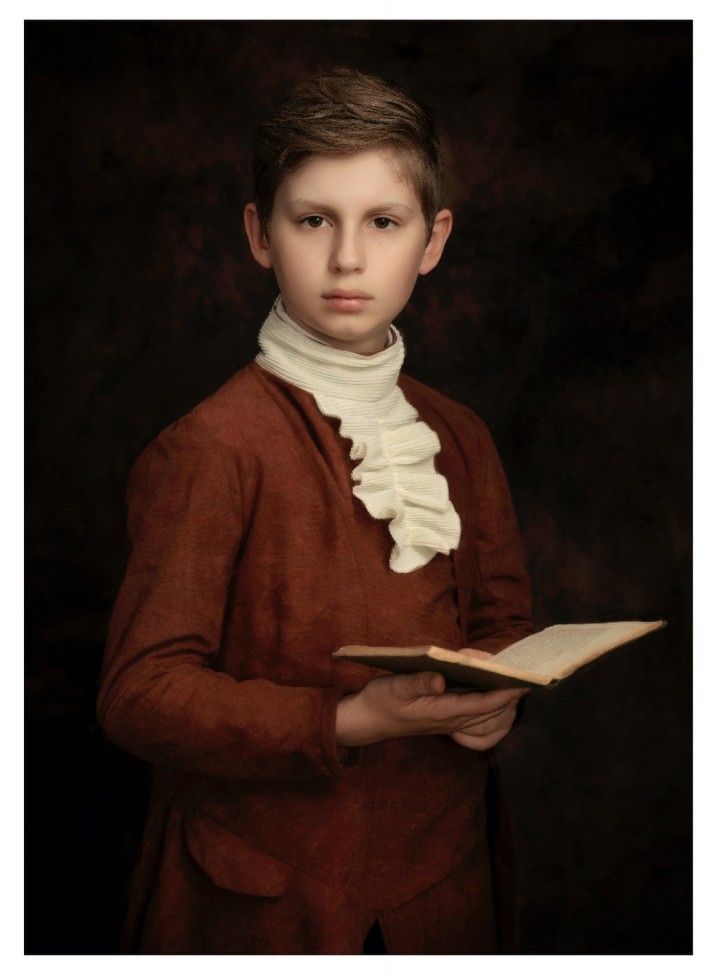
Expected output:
(313, 220)
(383, 223)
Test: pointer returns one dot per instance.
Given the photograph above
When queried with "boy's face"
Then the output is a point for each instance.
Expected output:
(347, 241)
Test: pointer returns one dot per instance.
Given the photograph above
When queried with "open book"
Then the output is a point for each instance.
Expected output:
(542, 659)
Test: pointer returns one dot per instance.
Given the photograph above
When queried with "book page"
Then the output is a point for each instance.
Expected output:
(563, 646)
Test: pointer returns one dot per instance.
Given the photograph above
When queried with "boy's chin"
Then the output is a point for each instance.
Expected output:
(352, 337)
(366, 343)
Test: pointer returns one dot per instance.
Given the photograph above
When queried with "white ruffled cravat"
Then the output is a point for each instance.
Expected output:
(396, 478)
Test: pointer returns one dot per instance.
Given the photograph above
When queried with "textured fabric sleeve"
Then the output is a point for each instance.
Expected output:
(161, 696)
(500, 606)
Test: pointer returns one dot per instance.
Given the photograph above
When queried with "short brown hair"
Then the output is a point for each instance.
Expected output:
(346, 112)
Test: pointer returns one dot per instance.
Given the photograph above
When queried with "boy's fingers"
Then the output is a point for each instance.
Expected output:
(497, 699)
(484, 706)
(426, 683)
(478, 743)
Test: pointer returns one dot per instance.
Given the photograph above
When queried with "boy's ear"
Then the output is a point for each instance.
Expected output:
(440, 234)
(259, 245)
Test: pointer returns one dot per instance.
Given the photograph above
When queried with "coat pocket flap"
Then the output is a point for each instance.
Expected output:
(231, 862)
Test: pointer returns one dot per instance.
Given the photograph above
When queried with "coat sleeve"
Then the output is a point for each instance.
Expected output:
(501, 605)
(161, 696)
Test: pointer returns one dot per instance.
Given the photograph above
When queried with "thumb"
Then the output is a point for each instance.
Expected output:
(426, 683)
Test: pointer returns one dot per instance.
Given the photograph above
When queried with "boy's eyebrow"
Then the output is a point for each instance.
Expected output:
(326, 208)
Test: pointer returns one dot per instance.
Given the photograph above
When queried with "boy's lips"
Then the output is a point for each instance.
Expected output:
(347, 300)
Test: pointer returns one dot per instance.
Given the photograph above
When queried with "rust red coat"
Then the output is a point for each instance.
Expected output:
(251, 562)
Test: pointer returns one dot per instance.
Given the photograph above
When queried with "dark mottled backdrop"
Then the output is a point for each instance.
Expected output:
(561, 314)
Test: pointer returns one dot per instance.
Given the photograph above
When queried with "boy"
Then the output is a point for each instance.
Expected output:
(299, 801)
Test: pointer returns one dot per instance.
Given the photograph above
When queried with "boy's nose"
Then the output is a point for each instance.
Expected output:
(347, 253)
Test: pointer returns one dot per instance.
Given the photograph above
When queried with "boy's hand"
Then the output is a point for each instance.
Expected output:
(417, 704)
(462, 738)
